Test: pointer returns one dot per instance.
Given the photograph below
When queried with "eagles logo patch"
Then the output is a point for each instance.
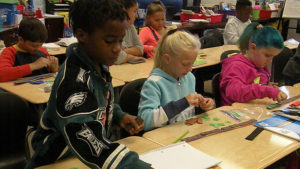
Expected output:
(82, 76)
(75, 100)
(87, 135)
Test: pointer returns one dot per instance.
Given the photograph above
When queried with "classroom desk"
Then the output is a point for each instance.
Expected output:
(130, 72)
(291, 91)
(231, 146)
(214, 54)
(297, 85)
(134, 143)
(35, 93)
(60, 51)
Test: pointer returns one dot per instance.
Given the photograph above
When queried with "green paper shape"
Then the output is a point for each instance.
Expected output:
(205, 118)
(220, 124)
(227, 122)
(214, 125)
(216, 119)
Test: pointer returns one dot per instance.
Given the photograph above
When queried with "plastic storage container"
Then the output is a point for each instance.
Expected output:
(265, 14)
(186, 17)
(255, 14)
(8, 10)
(215, 18)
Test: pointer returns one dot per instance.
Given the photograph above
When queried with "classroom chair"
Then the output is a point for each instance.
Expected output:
(212, 38)
(130, 98)
(228, 53)
(13, 125)
(216, 89)
(278, 63)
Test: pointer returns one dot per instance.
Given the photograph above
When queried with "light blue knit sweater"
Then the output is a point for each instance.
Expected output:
(163, 99)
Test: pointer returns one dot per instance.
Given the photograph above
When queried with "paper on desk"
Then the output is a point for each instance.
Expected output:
(179, 156)
(51, 46)
(291, 41)
(67, 41)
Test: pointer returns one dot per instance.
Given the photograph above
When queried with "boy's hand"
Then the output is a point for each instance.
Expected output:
(194, 99)
(53, 63)
(39, 63)
(135, 58)
(280, 97)
(129, 120)
(207, 104)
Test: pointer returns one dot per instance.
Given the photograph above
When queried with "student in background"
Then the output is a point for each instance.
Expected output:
(81, 109)
(168, 95)
(132, 48)
(291, 70)
(245, 76)
(27, 57)
(236, 25)
(154, 27)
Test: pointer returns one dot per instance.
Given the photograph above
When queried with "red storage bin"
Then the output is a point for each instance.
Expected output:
(186, 17)
(265, 14)
(215, 18)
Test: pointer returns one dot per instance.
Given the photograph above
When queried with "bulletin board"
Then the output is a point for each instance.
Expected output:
(291, 9)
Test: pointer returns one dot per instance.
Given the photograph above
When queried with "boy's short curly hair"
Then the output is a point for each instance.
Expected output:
(33, 30)
(241, 4)
(90, 14)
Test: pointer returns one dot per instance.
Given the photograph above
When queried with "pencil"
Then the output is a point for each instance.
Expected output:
(179, 138)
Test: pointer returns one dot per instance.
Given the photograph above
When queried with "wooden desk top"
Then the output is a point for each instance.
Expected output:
(291, 91)
(214, 54)
(231, 146)
(134, 143)
(34, 93)
(61, 51)
(297, 85)
(130, 72)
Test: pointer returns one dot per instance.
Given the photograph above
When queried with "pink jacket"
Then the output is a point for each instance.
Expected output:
(148, 40)
(241, 81)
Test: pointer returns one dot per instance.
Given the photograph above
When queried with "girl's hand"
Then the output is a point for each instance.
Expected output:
(273, 84)
(280, 97)
(194, 99)
(207, 104)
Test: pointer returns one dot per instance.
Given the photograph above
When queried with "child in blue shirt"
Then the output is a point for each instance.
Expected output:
(168, 95)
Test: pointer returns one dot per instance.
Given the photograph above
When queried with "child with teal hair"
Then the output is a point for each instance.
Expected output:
(245, 76)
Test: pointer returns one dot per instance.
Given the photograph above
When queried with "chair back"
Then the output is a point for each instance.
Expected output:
(14, 112)
(211, 38)
(278, 63)
(216, 89)
(130, 96)
(129, 101)
(229, 53)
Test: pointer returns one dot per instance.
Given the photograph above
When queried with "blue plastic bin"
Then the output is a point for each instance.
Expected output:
(9, 11)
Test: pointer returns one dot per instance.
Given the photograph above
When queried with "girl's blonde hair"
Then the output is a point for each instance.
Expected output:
(154, 7)
(174, 42)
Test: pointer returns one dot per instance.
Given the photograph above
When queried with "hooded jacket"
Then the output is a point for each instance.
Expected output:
(163, 99)
(241, 81)
(78, 118)
(292, 68)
